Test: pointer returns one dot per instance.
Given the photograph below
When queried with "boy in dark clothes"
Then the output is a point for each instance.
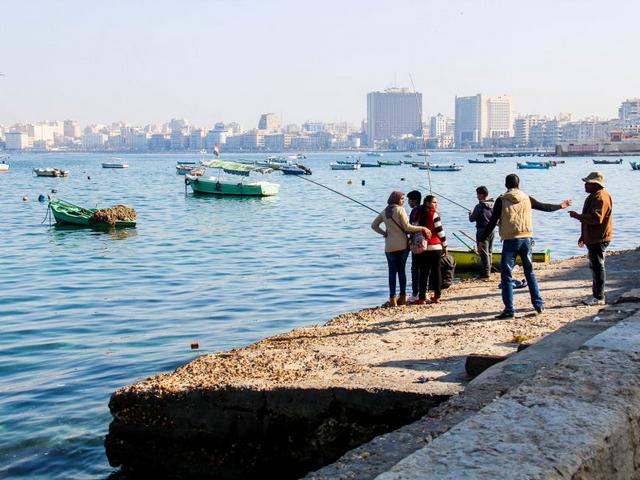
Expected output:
(414, 197)
(482, 216)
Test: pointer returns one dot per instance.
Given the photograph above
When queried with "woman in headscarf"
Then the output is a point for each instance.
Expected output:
(396, 246)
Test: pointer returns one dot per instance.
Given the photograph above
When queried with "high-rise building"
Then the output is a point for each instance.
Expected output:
(269, 122)
(71, 129)
(18, 141)
(393, 113)
(629, 110)
(481, 119)
(438, 125)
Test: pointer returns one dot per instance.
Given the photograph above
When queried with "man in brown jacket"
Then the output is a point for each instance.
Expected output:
(597, 231)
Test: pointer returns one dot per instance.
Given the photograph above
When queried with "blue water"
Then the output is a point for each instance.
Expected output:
(83, 312)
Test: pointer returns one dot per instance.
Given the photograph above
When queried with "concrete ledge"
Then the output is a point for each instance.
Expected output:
(578, 419)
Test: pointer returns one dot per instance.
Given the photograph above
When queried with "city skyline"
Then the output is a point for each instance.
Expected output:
(208, 61)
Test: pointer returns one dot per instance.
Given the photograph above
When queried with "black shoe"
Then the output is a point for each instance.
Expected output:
(539, 310)
(482, 277)
(504, 316)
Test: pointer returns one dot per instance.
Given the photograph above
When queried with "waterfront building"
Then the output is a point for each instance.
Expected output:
(215, 136)
(629, 110)
(71, 129)
(312, 127)
(499, 123)
(277, 142)
(437, 125)
(94, 141)
(18, 141)
(393, 113)
(269, 122)
(470, 121)
(586, 130)
(159, 142)
(196, 139)
(179, 139)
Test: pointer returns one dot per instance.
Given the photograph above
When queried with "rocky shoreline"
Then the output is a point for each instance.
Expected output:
(294, 402)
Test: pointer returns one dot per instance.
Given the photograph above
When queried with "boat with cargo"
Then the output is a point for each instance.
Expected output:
(50, 172)
(70, 214)
(217, 185)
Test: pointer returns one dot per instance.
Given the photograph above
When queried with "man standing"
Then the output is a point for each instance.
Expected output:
(597, 231)
(513, 210)
(482, 215)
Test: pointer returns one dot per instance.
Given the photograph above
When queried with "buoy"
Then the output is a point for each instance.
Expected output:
(402, 179)
(25, 199)
(362, 182)
(349, 182)
(195, 345)
(41, 198)
(53, 190)
(88, 177)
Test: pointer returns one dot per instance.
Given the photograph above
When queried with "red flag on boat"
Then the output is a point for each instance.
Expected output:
(216, 151)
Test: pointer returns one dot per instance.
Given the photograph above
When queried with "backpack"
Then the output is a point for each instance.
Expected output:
(447, 270)
(418, 244)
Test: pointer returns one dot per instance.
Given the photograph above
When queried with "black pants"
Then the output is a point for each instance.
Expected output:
(596, 263)
(429, 269)
(485, 250)
(415, 273)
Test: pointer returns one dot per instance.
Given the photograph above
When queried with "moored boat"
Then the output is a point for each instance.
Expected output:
(68, 213)
(345, 166)
(370, 164)
(295, 170)
(635, 165)
(216, 185)
(115, 163)
(605, 161)
(390, 163)
(50, 172)
(482, 160)
(469, 260)
(186, 167)
(534, 165)
(454, 167)
(374, 154)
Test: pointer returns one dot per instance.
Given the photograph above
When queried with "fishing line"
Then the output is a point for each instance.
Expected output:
(448, 199)
(335, 191)
(425, 145)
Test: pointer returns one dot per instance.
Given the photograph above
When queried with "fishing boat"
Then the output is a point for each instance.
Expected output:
(347, 162)
(390, 163)
(453, 167)
(216, 185)
(534, 165)
(115, 163)
(374, 154)
(469, 260)
(370, 164)
(482, 160)
(295, 170)
(635, 165)
(605, 161)
(4, 166)
(345, 166)
(70, 214)
(50, 172)
(182, 168)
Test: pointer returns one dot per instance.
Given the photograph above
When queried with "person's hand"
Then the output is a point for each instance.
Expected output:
(426, 232)
(581, 243)
(574, 214)
(566, 203)
(445, 251)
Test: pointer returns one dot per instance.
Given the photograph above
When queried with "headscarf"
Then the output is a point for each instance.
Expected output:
(393, 201)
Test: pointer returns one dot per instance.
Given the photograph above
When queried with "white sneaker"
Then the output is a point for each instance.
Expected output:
(412, 298)
(592, 301)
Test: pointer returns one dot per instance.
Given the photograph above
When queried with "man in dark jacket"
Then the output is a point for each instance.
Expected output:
(482, 216)
(597, 231)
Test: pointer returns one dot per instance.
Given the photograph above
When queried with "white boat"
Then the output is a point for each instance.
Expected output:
(345, 166)
(4, 167)
(453, 167)
(50, 172)
(116, 163)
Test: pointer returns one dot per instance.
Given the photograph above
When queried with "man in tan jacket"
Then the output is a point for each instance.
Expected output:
(597, 231)
(513, 212)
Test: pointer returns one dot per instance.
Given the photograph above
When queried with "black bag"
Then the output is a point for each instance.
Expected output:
(447, 270)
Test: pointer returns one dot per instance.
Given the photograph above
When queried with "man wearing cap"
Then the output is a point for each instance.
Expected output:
(597, 231)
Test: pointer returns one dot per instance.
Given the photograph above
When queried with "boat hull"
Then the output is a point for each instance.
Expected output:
(467, 260)
(211, 186)
(115, 165)
(534, 166)
(69, 214)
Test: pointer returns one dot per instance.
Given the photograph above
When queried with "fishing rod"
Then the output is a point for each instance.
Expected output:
(448, 199)
(425, 146)
(339, 193)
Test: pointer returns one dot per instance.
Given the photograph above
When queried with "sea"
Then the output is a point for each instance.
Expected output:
(84, 312)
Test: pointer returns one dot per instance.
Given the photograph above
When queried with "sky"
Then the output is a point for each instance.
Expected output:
(149, 61)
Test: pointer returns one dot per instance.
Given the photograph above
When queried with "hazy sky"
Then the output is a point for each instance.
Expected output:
(207, 61)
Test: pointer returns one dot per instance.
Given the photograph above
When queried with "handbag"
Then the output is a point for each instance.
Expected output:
(418, 243)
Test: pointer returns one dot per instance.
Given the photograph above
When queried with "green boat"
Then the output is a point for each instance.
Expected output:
(215, 185)
(70, 214)
(470, 260)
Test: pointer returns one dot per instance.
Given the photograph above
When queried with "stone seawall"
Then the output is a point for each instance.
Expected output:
(294, 402)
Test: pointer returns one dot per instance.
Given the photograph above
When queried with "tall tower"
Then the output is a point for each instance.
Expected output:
(393, 113)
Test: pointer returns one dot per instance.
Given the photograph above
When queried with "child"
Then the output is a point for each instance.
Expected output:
(482, 215)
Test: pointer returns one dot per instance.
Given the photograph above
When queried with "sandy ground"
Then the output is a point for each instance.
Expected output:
(389, 348)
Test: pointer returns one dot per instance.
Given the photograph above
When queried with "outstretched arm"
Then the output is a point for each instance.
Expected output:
(549, 207)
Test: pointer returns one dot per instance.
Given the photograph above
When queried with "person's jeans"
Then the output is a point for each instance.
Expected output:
(397, 261)
(596, 263)
(485, 250)
(510, 250)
